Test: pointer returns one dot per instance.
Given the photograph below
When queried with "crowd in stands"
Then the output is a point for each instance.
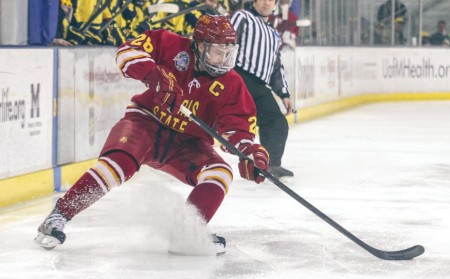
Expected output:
(382, 34)
(383, 28)
(438, 38)
(112, 22)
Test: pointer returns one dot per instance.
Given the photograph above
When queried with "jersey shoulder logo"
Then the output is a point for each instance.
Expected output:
(182, 61)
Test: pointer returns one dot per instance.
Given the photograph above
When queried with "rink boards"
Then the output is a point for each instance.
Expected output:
(58, 105)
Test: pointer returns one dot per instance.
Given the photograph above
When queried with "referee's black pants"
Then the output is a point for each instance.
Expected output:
(273, 125)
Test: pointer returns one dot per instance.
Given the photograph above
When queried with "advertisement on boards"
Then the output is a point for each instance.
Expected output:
(26, 111)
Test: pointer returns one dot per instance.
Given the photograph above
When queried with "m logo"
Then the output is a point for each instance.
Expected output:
(35, 100)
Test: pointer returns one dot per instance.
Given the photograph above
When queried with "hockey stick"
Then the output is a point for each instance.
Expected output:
(164, 7)
(203, 6)
(406, 254)
(303, 23)
(111, 20)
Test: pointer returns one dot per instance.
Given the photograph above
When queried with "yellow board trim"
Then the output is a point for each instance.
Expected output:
(314, 112)
(26, 187)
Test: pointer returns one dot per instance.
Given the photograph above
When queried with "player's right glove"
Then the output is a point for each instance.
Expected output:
(167, 92)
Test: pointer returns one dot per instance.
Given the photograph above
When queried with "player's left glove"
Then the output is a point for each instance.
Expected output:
(167, 92)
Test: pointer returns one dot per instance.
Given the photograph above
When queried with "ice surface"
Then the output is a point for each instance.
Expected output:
(382, 171)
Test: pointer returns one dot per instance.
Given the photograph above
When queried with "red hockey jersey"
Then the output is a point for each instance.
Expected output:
(223, 102)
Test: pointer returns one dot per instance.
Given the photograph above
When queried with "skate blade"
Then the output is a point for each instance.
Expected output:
(47, 242)
(219, 249)
(186, 254)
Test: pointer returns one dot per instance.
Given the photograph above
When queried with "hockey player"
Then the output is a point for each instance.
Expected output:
(153, 132)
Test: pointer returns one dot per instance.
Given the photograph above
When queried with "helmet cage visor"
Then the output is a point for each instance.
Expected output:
(218, 59)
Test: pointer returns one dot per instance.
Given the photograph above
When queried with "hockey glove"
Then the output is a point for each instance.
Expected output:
(167, 92)
(260, 158)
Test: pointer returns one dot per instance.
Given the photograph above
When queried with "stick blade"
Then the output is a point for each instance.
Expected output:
(164, 7)
(400, 255)
(303, 23)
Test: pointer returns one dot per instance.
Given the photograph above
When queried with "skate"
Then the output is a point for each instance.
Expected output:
(219, 244)
(50, 232)
(279, 172)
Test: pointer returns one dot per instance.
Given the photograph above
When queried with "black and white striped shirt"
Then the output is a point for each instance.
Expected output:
(259, 50)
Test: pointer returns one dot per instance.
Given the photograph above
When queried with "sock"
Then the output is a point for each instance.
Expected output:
(207, 197)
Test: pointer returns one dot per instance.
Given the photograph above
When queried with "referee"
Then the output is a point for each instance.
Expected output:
(259, 64)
